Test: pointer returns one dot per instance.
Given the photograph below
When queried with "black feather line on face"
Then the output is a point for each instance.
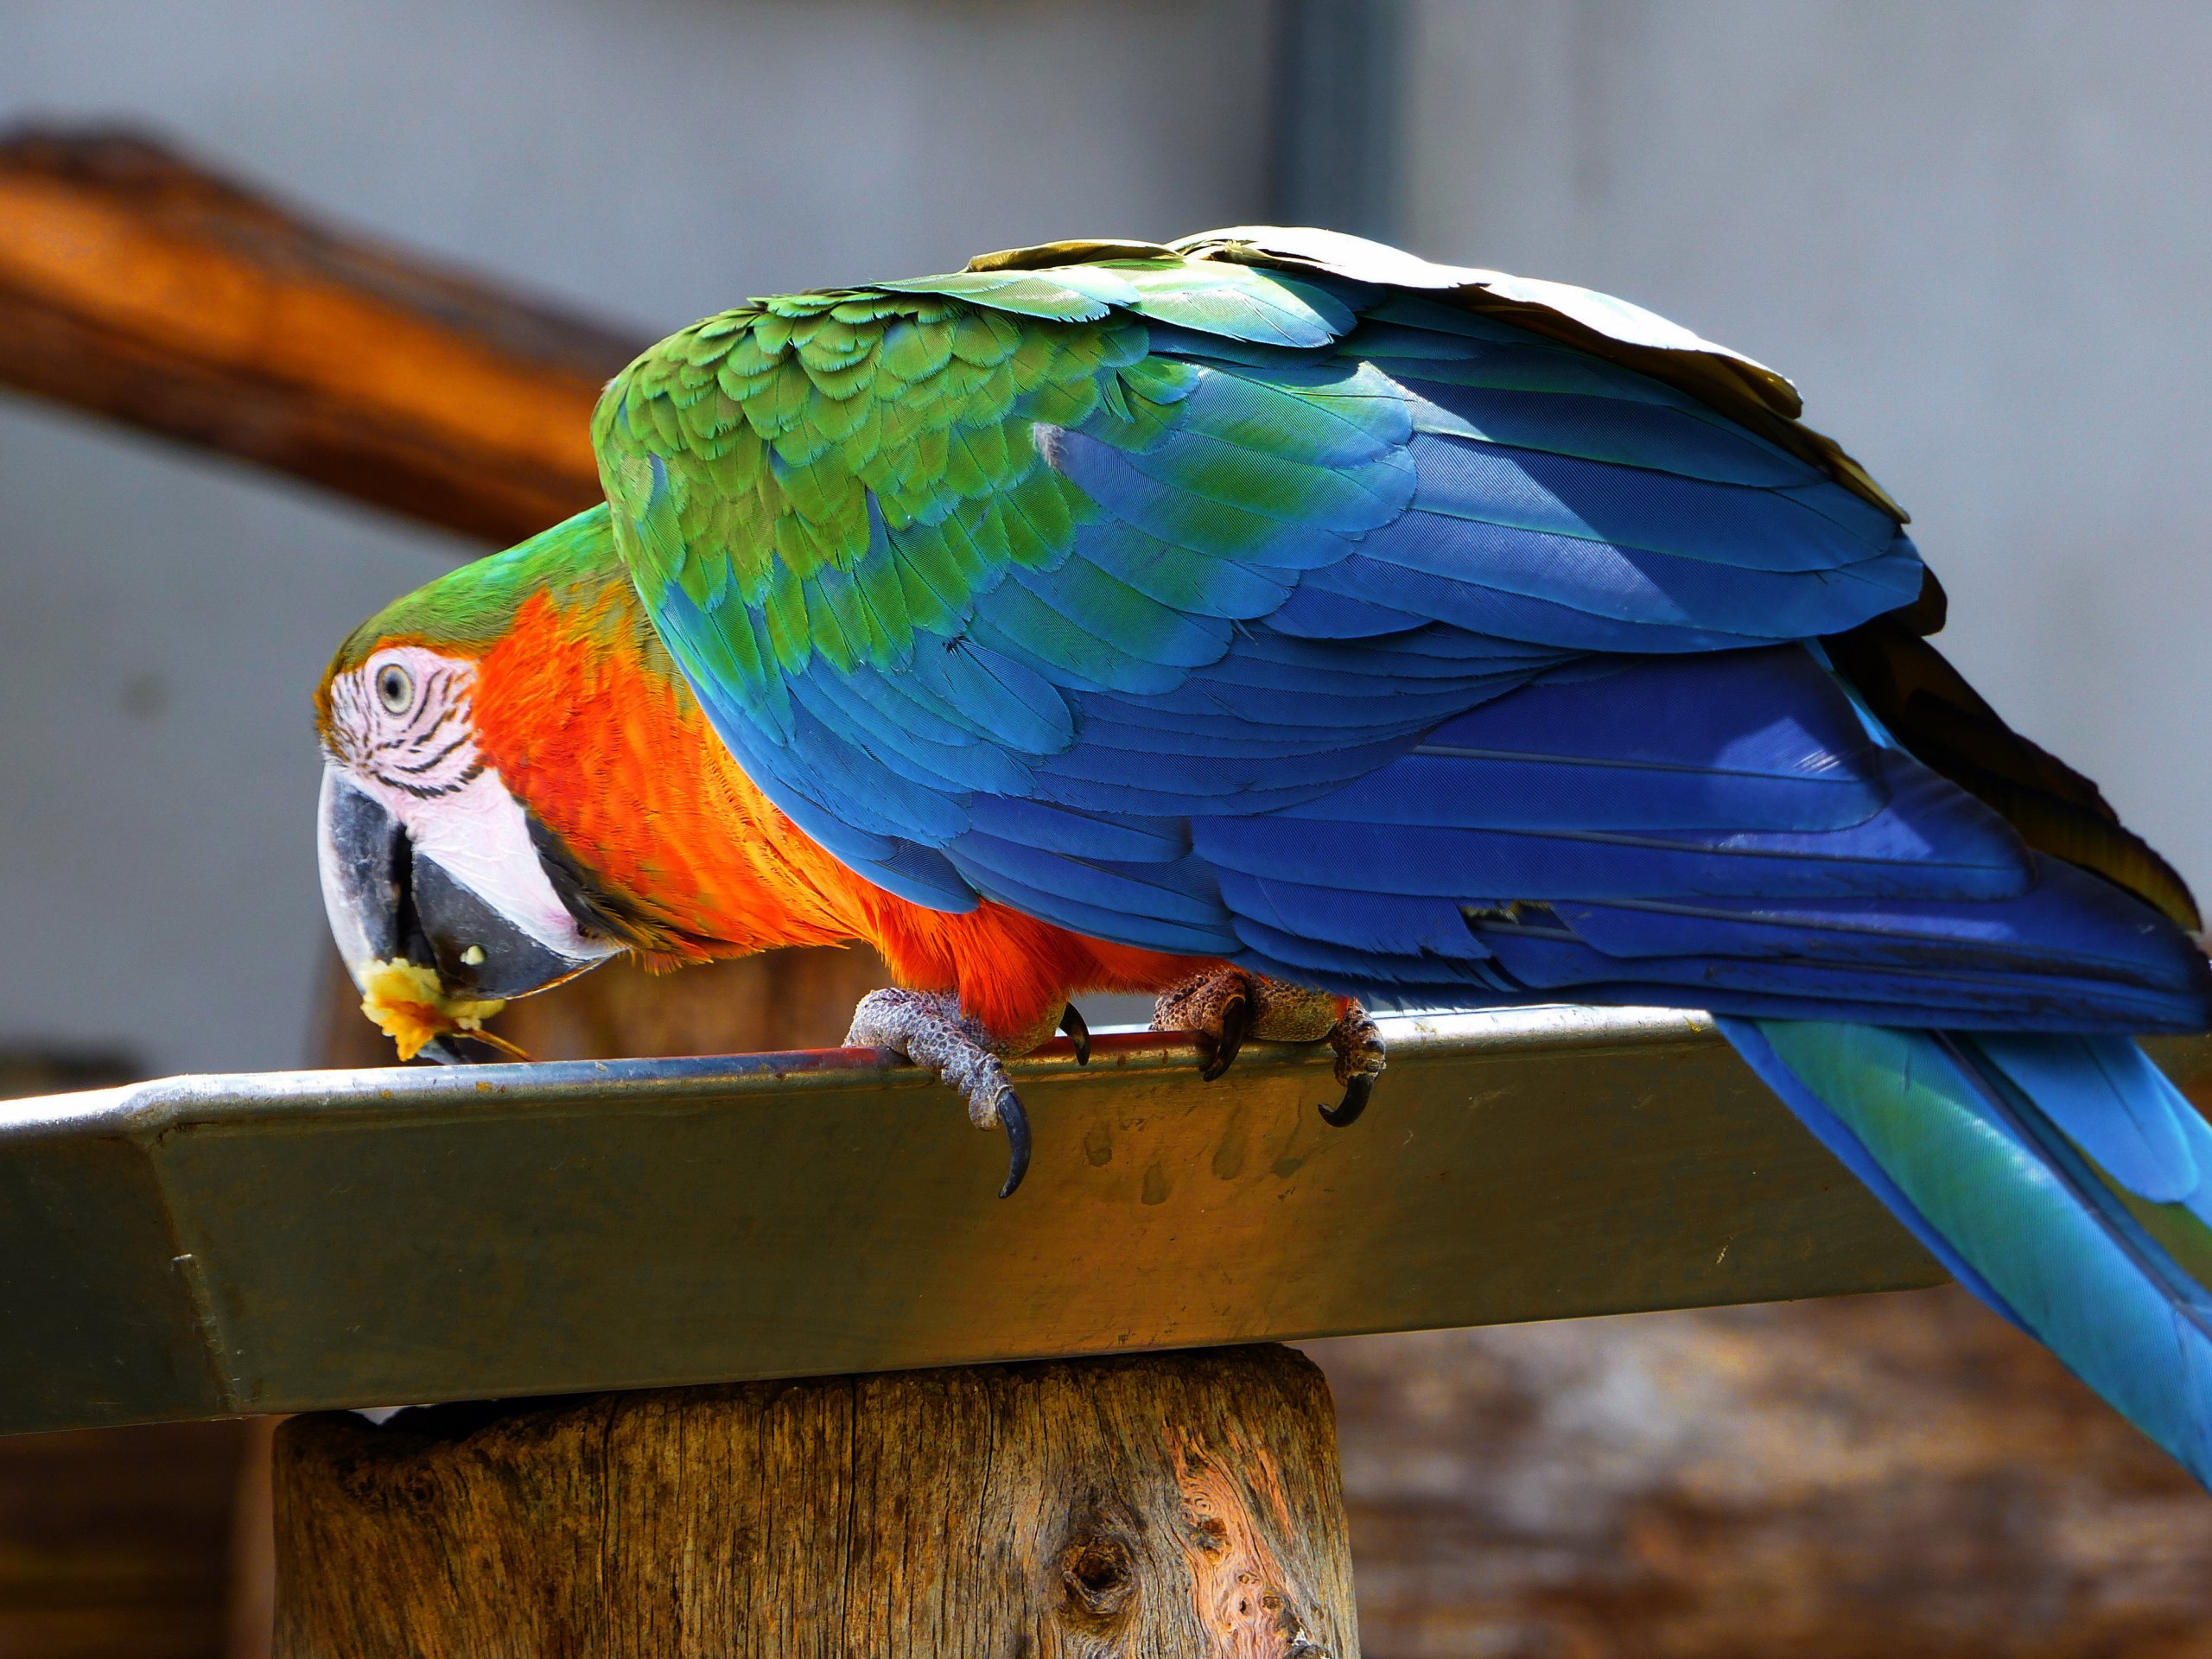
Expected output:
(413, 739)
(431, 791)
(421, 766)
(426, 699)
(600, 912)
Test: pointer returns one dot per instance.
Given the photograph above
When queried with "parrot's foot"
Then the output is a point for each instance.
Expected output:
(1360, 1060)
(928, 1028)
(1223, 1006)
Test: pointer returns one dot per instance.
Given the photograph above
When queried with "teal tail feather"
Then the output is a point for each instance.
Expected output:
(2063, 1179)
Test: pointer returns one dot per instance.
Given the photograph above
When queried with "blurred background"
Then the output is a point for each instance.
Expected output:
(1978, 238)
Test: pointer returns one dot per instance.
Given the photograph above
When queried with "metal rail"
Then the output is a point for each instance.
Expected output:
(205, 1246)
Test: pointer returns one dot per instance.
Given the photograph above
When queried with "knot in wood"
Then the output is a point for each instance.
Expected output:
(1099, 1576)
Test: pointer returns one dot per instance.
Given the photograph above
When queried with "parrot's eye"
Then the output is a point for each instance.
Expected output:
(395, 687)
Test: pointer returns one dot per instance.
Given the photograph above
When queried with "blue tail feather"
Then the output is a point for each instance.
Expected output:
(2105, 1095)
(2035, 1167)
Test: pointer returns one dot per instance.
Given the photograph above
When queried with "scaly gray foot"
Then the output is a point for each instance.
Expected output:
(1222, 1007)
(928, 1028)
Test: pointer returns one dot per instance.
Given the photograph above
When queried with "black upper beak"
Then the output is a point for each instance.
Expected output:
(386, 900)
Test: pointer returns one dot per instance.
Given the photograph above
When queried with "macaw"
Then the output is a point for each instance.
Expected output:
(1285, 626)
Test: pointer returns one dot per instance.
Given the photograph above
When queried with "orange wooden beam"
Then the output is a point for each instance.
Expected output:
(141, 288)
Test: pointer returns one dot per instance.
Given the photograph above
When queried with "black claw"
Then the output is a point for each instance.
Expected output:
(1346, 1112)
(1015, 1122)
(1217, 1053)
(1078, 1028)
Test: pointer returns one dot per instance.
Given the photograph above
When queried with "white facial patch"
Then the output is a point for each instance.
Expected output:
(403, 731)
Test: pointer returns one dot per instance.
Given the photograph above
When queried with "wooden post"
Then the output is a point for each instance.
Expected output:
(1179, 1504)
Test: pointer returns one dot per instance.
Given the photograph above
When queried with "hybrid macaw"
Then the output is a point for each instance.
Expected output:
(1282, 625)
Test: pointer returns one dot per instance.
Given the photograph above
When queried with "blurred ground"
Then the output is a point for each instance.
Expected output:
(118, 1544)
(1858, 1478)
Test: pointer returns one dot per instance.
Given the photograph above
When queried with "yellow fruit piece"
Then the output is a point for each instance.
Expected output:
(410, 1006)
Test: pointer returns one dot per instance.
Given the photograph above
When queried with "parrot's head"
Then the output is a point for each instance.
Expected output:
(446, 891)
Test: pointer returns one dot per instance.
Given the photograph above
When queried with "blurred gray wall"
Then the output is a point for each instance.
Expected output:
(163, 617)
(1980, 239)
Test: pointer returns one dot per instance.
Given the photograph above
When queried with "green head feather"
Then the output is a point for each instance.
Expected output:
(469, 610)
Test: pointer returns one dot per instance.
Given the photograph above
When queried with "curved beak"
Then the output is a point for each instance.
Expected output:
(386, 900)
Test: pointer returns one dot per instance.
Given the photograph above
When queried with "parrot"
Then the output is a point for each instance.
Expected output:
(1289, 627)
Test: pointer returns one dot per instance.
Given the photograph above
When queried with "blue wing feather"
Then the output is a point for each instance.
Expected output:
(1807, 530)
(1654, 436)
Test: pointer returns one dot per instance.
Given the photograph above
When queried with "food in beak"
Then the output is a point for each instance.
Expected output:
(410, 1006)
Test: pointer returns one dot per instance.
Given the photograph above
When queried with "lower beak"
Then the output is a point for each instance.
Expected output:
(385, 900)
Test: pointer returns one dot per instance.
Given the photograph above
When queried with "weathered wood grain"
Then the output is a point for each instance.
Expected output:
(139, 286)
(1182, 1505)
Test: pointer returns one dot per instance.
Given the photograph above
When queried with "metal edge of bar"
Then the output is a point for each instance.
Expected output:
(205, 1246)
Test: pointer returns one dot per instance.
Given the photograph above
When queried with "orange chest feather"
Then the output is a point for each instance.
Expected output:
(592, 728)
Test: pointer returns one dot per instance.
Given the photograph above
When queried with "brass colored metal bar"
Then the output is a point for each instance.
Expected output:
(282, 1242)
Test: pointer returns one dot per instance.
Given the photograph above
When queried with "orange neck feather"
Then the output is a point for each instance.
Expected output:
(589, 724)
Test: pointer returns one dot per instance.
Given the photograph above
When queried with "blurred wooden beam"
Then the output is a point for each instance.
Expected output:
(139, 286)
